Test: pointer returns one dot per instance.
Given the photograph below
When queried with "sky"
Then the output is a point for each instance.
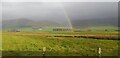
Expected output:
(57, 11)
(12, 9)
(60, 0)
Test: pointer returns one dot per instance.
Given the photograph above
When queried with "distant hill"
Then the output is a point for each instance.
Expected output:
(94, 22)
(23, 23)
(77, 24)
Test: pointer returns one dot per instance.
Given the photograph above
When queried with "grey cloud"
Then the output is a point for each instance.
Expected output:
(54, 11)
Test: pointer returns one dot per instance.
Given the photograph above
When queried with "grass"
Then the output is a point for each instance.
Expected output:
(62, 46)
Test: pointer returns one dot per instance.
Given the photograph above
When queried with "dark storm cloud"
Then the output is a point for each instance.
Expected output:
(95, 10)
(55, 12)
(34, 11)
(0, 16)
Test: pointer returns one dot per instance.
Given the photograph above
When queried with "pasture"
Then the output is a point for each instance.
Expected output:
(18, 45)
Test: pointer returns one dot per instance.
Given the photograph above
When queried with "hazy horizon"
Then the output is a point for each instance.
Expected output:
(66, 13)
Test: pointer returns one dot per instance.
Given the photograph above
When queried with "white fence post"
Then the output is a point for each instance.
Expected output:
(44, 50)
(99, 52)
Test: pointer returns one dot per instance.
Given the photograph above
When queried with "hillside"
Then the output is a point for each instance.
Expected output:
(93, 22)
(23, 23)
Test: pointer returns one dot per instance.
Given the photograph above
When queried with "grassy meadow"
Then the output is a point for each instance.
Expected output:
(17, 45)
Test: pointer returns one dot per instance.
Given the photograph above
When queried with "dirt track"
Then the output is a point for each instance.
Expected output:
(111, 37)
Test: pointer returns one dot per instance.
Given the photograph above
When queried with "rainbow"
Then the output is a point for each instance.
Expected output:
(67, 16)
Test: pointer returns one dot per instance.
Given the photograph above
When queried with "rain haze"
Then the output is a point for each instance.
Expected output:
(61, 12)
(59, 28)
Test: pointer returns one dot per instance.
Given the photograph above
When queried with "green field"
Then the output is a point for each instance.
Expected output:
(16, 45)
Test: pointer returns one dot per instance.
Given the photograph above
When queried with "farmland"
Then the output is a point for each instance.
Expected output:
(18, 45)
(59, 29)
